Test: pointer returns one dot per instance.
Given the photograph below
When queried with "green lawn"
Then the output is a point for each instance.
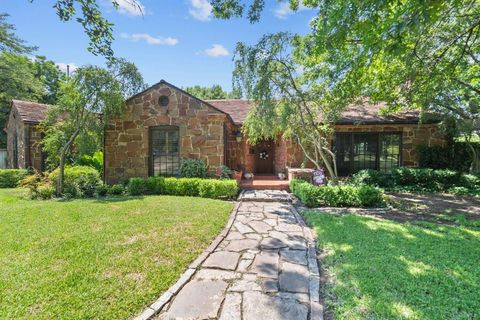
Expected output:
(380, 269)
(98, 259)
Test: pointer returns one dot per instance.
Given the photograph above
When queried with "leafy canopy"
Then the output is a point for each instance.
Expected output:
(85, 103)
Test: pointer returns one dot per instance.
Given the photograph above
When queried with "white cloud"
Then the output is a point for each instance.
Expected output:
(282, 11)
(131, 7)
(63, 66)
(217, 50)
(136, 37)
(200, 10)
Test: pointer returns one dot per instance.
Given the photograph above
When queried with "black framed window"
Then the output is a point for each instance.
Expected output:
(164, 151)
(358, 151)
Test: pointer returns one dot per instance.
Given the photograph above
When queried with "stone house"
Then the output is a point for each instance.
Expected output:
(164, 124)
(23, 135)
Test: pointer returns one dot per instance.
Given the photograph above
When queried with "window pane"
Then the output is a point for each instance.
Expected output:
(165, 151)
(390, 149)
(365, 151)
(342, 147)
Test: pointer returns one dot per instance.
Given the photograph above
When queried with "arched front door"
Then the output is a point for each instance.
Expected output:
(264, 157)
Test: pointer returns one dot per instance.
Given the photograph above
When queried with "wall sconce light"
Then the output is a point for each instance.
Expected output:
(238, 136)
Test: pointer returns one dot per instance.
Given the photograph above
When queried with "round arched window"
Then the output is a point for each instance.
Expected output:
(163, 101)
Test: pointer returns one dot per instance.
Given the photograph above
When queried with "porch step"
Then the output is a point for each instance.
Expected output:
(265, 196)
(264, 182)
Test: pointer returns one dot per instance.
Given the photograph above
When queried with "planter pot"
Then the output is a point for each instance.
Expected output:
(248, 176)
(237, 175)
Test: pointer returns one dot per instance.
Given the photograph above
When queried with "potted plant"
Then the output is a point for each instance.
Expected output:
(282, 175)
(238, 173)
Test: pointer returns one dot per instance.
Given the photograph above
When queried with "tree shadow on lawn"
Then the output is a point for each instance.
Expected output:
(381, 269)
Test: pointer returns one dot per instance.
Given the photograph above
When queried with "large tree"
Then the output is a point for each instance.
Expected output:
(85, 103)
(89, 15)
(413, 53)
(289, 100)
(211, 93)
(17, 81)
(9, 41)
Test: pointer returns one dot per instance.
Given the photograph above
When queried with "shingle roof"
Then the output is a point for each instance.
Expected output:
(31, 112)
(236, 108)
(362, 112)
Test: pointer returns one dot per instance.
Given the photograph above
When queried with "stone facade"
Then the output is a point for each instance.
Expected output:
(28, 138)
(289, 154)
(201, 132)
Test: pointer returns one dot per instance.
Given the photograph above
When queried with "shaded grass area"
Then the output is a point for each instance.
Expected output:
(381, 269)
(102, 259)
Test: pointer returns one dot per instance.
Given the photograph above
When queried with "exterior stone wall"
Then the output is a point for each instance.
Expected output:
(15, 127)
(289, 154)
(201, 131)
(36, 156)
(29, 140)
(413, 135)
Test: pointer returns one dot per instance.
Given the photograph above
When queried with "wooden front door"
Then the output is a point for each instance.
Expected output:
(264, 155)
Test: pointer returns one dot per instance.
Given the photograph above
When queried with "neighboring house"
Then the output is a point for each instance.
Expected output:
(23, 136)
(164, 124)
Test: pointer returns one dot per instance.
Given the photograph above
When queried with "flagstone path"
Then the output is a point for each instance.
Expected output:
(264, 268)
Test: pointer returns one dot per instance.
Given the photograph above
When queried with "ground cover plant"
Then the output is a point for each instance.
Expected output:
(337, 196)
(420, 180)
(98, 258)
(381, 269)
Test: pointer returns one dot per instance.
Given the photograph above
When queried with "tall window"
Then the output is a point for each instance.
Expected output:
(357, 151)
(164, 151)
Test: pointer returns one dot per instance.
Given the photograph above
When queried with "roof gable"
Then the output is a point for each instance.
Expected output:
(214, 109)
(30, 112)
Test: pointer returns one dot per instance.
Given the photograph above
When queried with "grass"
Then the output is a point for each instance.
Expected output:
(381, 269)
(97, 259)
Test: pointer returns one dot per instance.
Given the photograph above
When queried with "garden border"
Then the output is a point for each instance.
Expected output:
(165, 298)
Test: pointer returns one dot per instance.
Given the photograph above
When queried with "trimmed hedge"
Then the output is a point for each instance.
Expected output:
(412, 179)
(337, 196)
(193, 187)
(78, 181)
(10, 178)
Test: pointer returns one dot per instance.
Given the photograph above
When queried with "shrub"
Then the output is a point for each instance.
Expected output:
(456, 156)
(45, 191)
(413, 179)
(39, 186)
(10, 178)
(193, 168)
(218, 189)
(94, 161)
(116, 190)
(78, 181)
(224, 172)
(136, 186)
(337, 196)
(101, 190)
(194, 187)
(155, 185)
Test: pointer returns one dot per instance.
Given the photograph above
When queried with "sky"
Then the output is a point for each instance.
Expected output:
(175, 40)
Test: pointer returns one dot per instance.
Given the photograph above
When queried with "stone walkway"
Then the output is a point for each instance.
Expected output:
(265, 268)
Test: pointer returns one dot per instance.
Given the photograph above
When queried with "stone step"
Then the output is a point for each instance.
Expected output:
(265, 196)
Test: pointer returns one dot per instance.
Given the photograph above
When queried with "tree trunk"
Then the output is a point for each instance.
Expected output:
(475, 165)
(61, 170)
(61, 167)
